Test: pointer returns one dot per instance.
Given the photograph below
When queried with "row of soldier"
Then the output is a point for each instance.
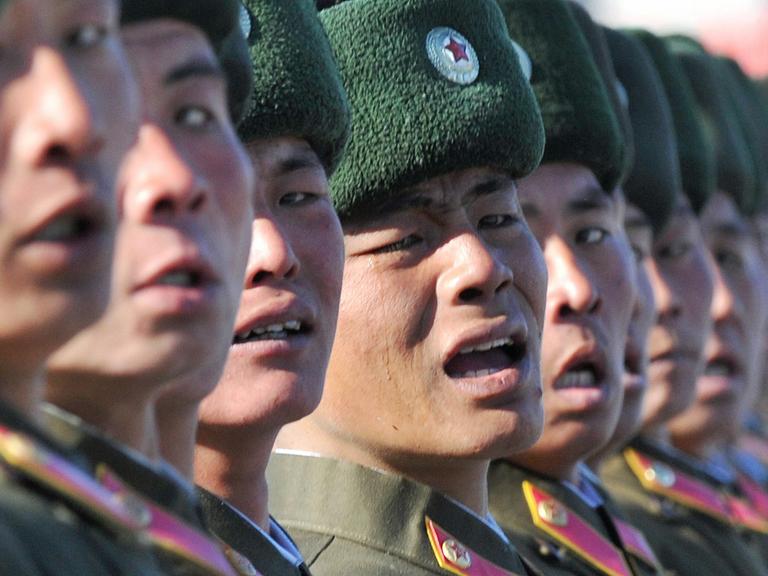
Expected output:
(434, 286)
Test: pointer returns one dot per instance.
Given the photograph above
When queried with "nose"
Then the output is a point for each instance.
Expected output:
(669, 303)
(158, 182)
(271, 253)
(724, 301)
(571, 290)
(60, 124)
(476, 274)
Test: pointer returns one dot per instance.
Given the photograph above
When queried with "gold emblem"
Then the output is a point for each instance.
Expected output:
(661, 474)
(135, 507)
(552, 512)
(456, 553)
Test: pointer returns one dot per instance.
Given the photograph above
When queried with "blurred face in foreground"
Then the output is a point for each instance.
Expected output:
(68, 113)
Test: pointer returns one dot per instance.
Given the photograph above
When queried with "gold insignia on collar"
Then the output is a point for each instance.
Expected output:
(552, 512)
(660, 473)
(456, 553)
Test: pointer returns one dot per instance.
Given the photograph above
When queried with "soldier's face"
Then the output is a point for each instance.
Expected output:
(184, 233)
(437, 347)
(737, 314)
(287, 319)
(635, 378)
(682, 278)
(68, 113)
(589, 302)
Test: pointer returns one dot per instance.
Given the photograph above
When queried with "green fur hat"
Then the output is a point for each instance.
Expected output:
(435, 86)
(752, 121)
(734, 169)
(580, 124)
(655, 182)
(220, 21)
(696, 149)
(297, 88)
(595, 37)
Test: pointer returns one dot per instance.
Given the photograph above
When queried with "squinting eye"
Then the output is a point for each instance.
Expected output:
(404, 244)
(674, 250)
(591, 235)
(194, 116)
(728, 259)
(296, 198)
(87, 36)
(496, 221)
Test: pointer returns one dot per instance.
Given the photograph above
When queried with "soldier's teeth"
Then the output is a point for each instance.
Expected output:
(272, 330)
(486, 346)
(479, 373)
(181, 278)
(293, 325)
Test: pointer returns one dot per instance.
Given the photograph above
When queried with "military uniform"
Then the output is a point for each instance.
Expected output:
(348, 519)
(559, 532)
(168, 505)
(54, 517)
(275, 553)
(686, 520)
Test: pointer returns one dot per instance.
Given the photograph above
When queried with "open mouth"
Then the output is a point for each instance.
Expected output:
(280, 331)
(69, 228)
(583, 372)
(632, 364)
(181, 279)
(722, 367)
(486, 358)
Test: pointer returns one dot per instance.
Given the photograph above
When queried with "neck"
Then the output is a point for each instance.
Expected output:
(177, 429)
(462, 479)
(23, 394)
(233, 466)
(546, 464)
(131, 420)
(659, 434)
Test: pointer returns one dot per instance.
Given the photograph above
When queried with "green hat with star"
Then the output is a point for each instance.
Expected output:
(220, 21)
(654, 183)
(435, 86)
(734, 169)
(297, 88)
(580, 124)
(595, 37)
(696, 150)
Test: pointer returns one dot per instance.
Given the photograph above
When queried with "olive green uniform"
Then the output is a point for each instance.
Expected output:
(174, 521)
(348, 519)
(234, 528)
(54, 518)
(687, 538)
(559, 532)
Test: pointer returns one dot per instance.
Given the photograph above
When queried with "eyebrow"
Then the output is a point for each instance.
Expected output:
(733, 229)
(196, 68)
(299, 161)
(589, 199)
(637, 221)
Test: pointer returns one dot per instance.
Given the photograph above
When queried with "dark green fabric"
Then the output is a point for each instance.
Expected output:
(348, 519)
(734, 170)
(753, 121)
(220, 21)
(507, 503)
(595, 37)
(235, 530)
(297, 89)
(685, 540)
(579, 121)
(696, 149)
(411, 124)
(654, 183)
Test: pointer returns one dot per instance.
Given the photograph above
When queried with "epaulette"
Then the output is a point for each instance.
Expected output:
(567, 528)
(27, 460)
(659, 478)
(174, 537)
(454, 557)
(635, 543)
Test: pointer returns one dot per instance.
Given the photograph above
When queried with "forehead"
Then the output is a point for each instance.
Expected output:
(35, 19)
(563, 191)
(721, 216)
(281, 155)
(158, 47)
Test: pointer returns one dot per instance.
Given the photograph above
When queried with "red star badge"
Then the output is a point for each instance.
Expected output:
(457, 50)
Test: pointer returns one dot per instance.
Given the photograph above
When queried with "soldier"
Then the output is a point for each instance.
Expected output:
(294, 130)
(658, 488)
(181, 252)
(545, 498)
(69, 114)
(434, 367)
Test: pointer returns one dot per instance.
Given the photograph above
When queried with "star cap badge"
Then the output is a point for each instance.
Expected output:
(526, 65)
(245, 21)
(452, 55)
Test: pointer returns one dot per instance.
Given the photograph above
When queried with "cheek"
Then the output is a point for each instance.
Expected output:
(530, 276)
